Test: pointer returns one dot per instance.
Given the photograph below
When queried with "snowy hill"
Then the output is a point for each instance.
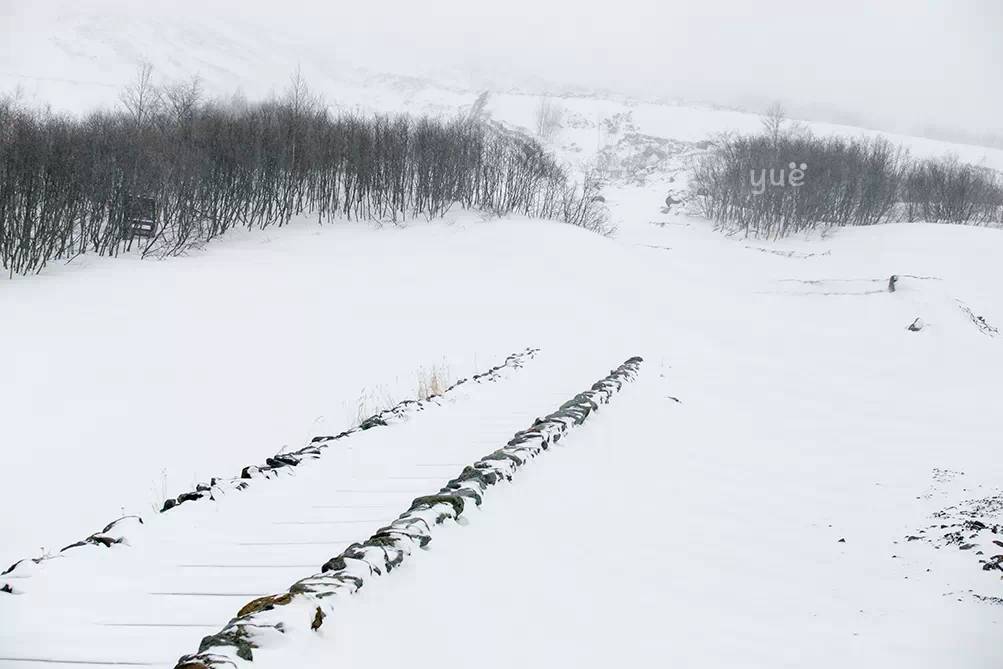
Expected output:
(793, 479)
(77, 58)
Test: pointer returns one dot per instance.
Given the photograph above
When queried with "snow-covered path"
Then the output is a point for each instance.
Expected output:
(189, 570)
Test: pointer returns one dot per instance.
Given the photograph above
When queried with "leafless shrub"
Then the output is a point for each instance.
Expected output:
(141, 98)
(949, 191)
(584, 207)
(548, 117)
(478, 110)
(370, 402)
(433, 381)
(842, 182)
(214, 166)
(845, 182)
(773, 122)
(181, 101)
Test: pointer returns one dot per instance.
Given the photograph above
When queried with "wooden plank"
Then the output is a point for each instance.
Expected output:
(246, 566)
(292, 543)
(93, 663)
(417, 478)
(183, 625)
(208, 594)
(329, 522)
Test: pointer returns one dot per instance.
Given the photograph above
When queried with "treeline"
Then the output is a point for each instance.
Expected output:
(66, 184)
(745, 183)
(950, 191)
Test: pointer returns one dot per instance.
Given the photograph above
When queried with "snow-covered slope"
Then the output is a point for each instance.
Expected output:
(76, 58)
(807, 414)
(746, 503)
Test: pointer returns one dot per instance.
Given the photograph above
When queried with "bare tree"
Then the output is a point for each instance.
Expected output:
(299, 96)
(549, 115)
(141, 98)
(182, 100)
(477, 110)
(773, 122)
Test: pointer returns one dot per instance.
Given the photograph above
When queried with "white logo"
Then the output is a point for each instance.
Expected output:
(778, 178)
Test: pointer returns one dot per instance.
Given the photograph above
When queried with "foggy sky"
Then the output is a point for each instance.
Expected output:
(899, 64)
(904, 62)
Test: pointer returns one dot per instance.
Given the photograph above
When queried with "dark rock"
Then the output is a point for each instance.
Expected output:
(236, 636)
(505, 455)
(372, 422)
(11, 568)
(109, 526)
(337, 563)
(428, 501)
(472, 495)
(184, 663)
(264, 604)
(318, 619)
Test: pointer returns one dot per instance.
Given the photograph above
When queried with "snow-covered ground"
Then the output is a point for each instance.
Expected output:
(746, 502)
(707, 530)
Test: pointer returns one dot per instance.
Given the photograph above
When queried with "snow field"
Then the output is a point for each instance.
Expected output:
(807, 413)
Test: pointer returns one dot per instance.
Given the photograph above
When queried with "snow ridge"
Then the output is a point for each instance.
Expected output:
(309, 600)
